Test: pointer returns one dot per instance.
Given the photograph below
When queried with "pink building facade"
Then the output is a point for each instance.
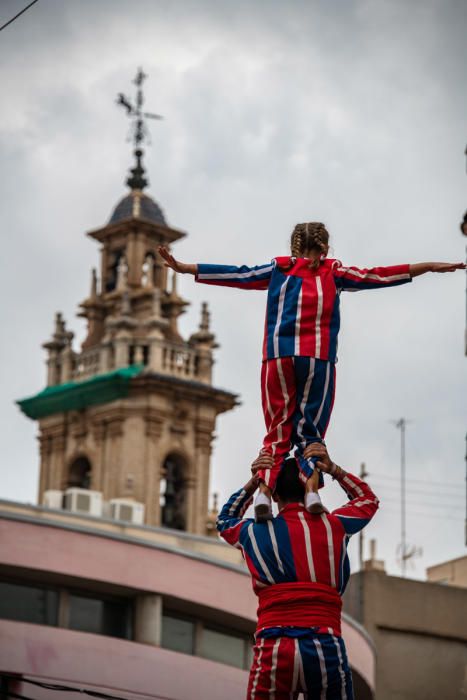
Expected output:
(136, 612)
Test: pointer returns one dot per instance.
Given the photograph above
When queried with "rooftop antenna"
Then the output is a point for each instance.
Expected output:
(404, 553)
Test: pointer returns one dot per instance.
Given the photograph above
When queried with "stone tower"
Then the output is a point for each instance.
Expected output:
(132, 413)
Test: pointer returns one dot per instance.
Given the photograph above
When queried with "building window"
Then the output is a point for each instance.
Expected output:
(28, 604)
(190, 636)
(79, 473)
(223, 647)
(100, 616)
(178, 634)
(173, 492)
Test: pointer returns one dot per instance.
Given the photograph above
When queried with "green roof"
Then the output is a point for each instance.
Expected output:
(74, 396)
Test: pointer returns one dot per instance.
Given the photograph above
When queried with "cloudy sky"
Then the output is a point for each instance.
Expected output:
(348, 112)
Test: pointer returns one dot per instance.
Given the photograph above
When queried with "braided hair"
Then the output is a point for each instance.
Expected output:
(307, 238)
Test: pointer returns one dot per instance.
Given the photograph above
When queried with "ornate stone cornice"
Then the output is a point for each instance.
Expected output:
(154, 422)
(152, 382)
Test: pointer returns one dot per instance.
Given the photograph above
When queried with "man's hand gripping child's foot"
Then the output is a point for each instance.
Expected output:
(263, 501)
(323, 463)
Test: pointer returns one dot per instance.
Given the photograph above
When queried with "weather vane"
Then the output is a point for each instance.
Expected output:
(138, 128)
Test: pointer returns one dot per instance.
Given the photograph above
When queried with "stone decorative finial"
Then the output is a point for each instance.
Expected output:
(137, 181)
(59, 325)
(93, 283)
(204, 336)
(205, 317)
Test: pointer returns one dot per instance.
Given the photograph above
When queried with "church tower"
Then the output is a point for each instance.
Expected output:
(130, 416)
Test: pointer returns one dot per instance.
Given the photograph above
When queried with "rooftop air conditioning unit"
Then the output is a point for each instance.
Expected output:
(53, 499)
(84, 501)
(127, 510)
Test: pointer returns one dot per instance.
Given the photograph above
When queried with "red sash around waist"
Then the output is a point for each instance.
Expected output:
(300, 604)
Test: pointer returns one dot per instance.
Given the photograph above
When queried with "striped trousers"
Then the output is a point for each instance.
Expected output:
(297, 395)
(313, 664)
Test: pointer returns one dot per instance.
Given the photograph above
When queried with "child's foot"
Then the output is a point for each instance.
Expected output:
(313, 503)
(263, 508)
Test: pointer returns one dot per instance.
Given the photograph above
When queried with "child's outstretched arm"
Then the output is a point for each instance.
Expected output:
(421, 268)
(170, 261)
(353, 278)
(243, 277)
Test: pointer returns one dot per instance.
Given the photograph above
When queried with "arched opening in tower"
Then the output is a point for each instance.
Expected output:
(79, 473)
(173, 492)
(112, 267)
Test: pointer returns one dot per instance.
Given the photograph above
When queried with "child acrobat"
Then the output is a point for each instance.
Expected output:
(300, 341)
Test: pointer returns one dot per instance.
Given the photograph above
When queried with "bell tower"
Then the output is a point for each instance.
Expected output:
(131, 414)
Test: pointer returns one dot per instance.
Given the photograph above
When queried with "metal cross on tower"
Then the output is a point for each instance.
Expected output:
(138, 128)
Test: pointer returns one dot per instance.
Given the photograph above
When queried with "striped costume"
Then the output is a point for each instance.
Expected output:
(299, 568)
(300, 341)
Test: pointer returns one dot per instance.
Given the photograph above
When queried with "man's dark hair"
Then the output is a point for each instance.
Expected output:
(288, 485)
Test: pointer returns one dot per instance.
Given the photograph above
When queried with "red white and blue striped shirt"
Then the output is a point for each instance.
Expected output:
(297, 546)
(302, 312)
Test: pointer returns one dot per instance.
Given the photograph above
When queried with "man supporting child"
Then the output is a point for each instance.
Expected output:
(299, 568)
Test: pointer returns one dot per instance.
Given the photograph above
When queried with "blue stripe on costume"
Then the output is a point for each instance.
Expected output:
(265, 537)
(334, 326)
(344, 567)
(326, 667)
(307, 431)
(289, 317)
(272, 309)
(281, 532)
(231, 275)
(229, 522)
(257, 554)
(352, 524)
(348, 285)
(324, 661)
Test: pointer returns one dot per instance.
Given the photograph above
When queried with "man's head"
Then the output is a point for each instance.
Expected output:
(289, 488)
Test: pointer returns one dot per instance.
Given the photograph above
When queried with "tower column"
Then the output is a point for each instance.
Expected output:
(45, 443)
(113, 452)
(152, 467)
(203, 439)
(122, 347)
(59, 475)
(98, 467)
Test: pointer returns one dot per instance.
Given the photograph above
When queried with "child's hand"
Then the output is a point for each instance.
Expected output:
(424, 267)
(447, 267)
(174, 264)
